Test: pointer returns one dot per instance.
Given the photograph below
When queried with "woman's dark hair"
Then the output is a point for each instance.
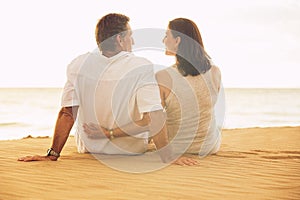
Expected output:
(191, 57)
(107, 28)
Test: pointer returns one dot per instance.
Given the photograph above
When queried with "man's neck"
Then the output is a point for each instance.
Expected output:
(110, 53)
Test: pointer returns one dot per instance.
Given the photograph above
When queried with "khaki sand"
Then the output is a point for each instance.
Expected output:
(253, 163)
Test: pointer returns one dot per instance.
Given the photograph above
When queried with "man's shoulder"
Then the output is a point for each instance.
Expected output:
(82, 59)
(82, 56)
(138, 59)
(79, 59)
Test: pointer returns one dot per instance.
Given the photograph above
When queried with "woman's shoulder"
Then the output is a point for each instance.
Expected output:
(164, 73)
(215, 75)
(215, 70)
(164, 78)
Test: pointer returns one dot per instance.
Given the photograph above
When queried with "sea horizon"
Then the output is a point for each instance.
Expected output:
(33, 110)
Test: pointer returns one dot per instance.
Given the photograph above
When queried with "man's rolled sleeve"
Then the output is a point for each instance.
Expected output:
(69, 95)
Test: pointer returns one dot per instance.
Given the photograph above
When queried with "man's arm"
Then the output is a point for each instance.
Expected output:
(95, 131)
(64, 124)
(154, 122)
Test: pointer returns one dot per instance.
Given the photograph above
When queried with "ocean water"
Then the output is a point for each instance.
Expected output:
(33, 111)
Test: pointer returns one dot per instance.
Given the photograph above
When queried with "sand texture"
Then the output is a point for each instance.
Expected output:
(254, 163)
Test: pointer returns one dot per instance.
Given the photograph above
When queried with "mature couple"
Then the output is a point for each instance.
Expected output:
(120, 104)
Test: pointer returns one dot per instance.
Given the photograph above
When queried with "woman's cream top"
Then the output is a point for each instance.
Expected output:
(191, 119)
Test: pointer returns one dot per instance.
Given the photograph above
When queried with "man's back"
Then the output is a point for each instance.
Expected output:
(113, 92)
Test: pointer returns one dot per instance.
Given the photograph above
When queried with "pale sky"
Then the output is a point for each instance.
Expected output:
(255, 43)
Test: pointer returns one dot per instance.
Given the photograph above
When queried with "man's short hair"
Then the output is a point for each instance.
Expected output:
(108, 27)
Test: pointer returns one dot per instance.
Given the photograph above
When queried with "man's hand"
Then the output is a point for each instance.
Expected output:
(37, 158)
(94, 131)
(183, 161)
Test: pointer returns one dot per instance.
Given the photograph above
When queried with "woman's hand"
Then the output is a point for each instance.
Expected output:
(94, 131)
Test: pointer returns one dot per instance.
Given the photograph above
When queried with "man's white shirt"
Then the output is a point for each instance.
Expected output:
(111, 92)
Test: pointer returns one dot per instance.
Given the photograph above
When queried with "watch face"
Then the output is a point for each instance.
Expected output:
(49, 152)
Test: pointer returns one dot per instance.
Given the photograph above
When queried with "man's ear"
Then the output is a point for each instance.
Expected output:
(119, 40)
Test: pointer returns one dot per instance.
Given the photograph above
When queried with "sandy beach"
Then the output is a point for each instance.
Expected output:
(253, 163)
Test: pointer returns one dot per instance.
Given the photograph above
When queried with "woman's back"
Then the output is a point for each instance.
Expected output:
(190, 112)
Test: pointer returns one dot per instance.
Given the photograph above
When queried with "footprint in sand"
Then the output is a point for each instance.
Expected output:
(283, 154)
(267, 154)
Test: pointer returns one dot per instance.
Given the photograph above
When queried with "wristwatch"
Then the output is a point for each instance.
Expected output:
(51, 152)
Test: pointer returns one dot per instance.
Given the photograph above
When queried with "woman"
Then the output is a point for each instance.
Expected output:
(189, 91)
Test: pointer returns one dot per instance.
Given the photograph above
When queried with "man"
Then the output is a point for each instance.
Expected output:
(112, 88)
